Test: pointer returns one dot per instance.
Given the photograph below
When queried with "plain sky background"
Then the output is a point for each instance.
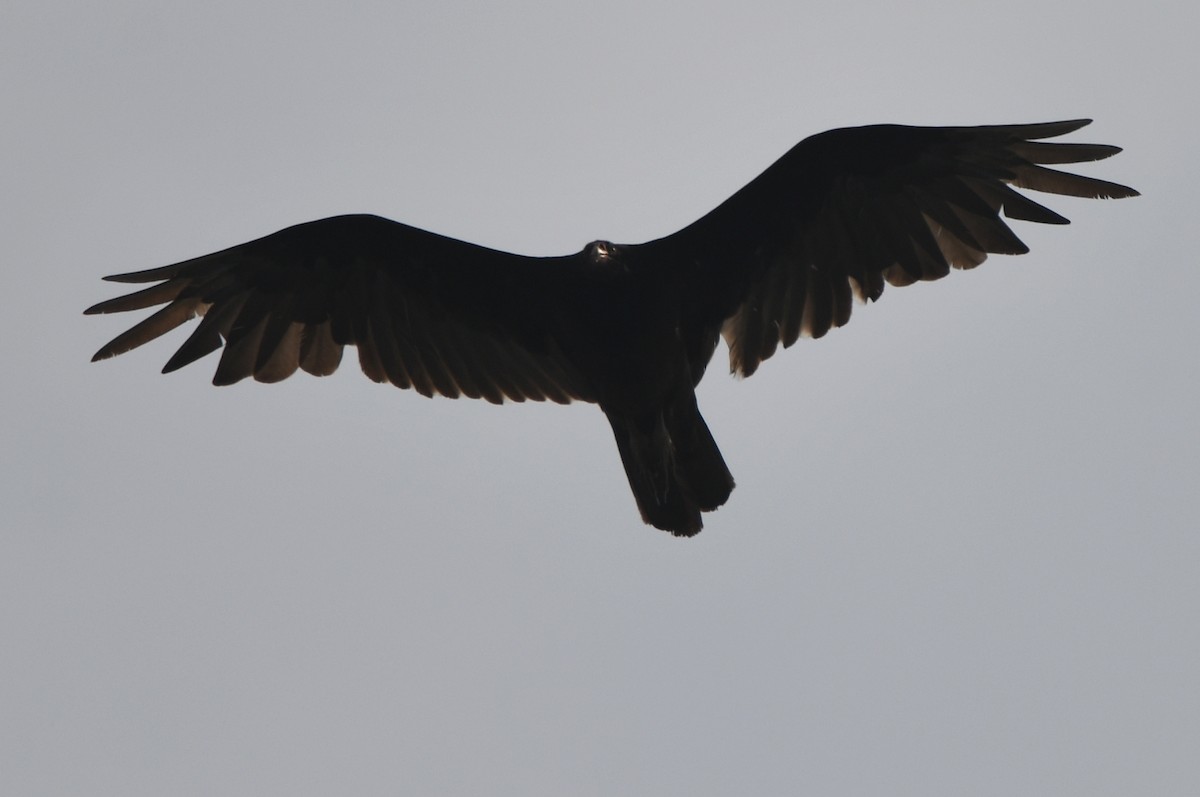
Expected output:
(962, 557)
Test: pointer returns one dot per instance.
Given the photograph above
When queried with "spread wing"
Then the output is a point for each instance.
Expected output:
(846, 211)
(424, 311)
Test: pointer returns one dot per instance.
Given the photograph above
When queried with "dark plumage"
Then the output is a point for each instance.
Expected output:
(629, 327)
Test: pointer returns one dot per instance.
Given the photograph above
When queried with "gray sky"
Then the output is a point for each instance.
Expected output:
(962, 554)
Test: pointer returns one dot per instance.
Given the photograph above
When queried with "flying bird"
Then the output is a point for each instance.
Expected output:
(630, 327)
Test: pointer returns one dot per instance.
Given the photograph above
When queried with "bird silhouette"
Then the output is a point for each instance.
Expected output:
(630, 327)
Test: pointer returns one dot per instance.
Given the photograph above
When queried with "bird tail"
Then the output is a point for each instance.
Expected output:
(674, 466)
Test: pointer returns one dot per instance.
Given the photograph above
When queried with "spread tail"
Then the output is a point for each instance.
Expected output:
(674, 466)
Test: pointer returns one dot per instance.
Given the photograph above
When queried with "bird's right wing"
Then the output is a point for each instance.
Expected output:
(426, 312)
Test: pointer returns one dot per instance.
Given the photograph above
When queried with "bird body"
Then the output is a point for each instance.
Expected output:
(630, 327)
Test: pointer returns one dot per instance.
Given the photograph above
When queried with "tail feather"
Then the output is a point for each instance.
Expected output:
(674, 466)
(699, 463)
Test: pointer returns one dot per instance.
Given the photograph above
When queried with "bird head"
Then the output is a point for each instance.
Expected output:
(605, 255)
(602, 253)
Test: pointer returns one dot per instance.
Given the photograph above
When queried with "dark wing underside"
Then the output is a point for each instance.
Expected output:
(426, 312)
(840, 215)
(846, 211)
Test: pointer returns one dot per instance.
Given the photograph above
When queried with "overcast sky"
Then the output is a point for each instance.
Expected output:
(962, 554)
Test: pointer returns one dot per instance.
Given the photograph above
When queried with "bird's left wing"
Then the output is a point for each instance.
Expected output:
(425, 312)
(845, 211)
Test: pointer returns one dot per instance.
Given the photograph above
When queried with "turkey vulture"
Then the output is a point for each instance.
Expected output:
(629, 327)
